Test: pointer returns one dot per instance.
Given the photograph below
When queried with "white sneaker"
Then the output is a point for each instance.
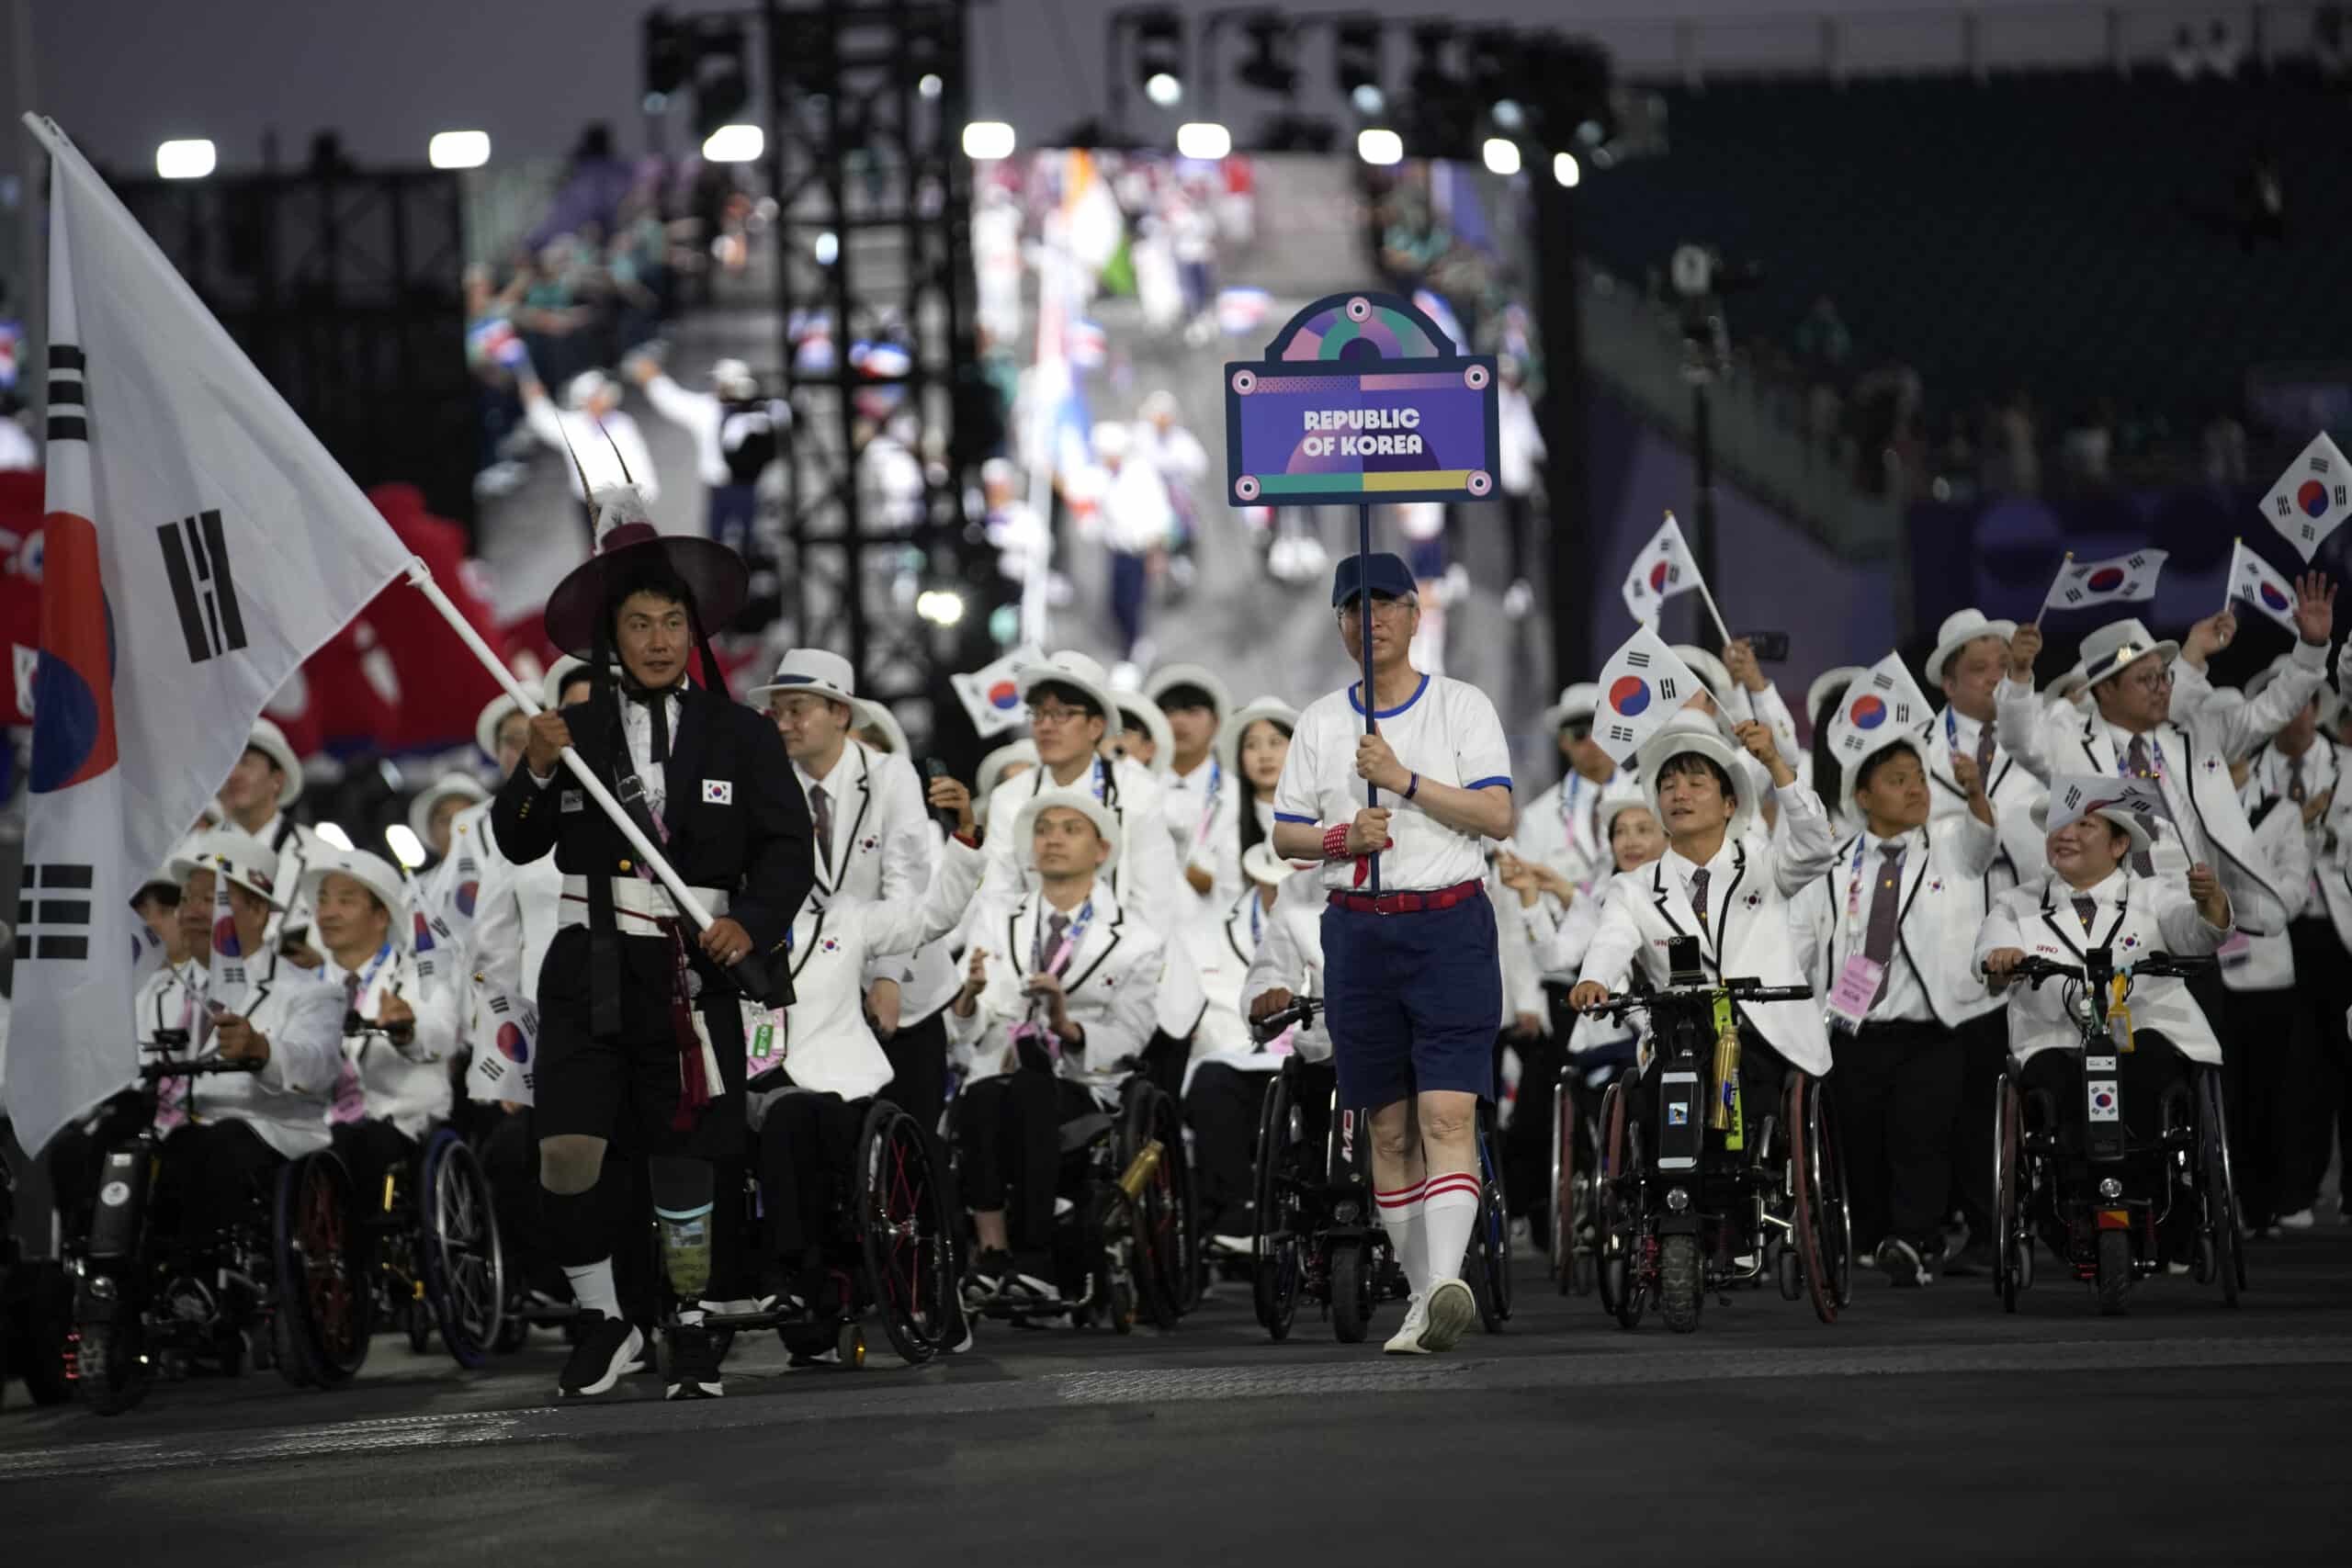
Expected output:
(2300, 1220)
(1452, 1310)
(1406, 1340)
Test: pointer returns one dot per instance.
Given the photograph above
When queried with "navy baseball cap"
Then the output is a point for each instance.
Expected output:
(1386, 575)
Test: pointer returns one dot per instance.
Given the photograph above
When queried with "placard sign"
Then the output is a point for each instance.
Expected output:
(1361, 401)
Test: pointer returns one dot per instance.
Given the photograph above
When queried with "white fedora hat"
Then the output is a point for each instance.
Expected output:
(271, 742)
(1960, 628)
(494, 714)
(1267, 869)
(1694, 734)
(2140, 842)
(559, 674)
(811, 670)
(867, 714)
(994, 767)
(1024, 827)
(2067, 686)
(2107, 651)
(1135, 709)
(1579, 701)
(420, 810)
(1079, 673)
(1616, 805)
(1829, 684)
(372, 871)
(1709, 668)
(1168, 677)
(1229, 734)
(1850, 769)
(241, 858)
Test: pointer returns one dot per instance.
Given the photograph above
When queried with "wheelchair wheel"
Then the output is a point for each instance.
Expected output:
(1490, 1280)
(906, 1234)
(1615, 1221)
(2010, 1267)
(2112, 1279)
(111, 1367)
(1277, 1247)
(49, 1329)
(1165, 1257)
(1352, 1303)
(2221, 1190)
(1681, 1282)
(1564, 1189)
(464, 1266)
(1817, 1184)
(325, 1303)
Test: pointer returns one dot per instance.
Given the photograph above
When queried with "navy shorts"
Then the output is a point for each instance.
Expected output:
(1414, 1001)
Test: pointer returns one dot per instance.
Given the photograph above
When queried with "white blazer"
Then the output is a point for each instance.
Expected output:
(409, 1089)
(1944, 906)
(885, 850)
(1752, 932)
(1224, 953)
(1111, 984)
(2135, 916)
(2198, 745)
(1290, 959)
(2266, 963)
(2014, 792)
(1561, 945)
(827, 1045)
(300, 1014)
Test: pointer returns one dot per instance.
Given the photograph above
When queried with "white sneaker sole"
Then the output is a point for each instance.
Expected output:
(1452, 1311)
(630, 1358)
(1408, 1344)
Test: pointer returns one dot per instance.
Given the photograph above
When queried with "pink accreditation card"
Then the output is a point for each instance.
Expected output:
(1857, 987)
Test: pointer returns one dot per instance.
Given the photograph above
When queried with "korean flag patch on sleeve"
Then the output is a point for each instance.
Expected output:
(718, 792)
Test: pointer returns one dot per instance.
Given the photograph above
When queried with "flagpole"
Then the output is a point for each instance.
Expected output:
(1708, 595)
(2230, 578)
(420, 577)
(2053, 588)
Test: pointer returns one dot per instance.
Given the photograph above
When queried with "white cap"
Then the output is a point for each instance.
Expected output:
(271, 742)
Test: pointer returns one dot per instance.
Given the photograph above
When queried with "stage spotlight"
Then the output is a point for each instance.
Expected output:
(1270, 67)
(1502, 156)
(458, 149)
(1565, 169)
(1205, 140)
(1160, 56)
(987, 140)
(188, 160)
(734, 144)
(1380, 146)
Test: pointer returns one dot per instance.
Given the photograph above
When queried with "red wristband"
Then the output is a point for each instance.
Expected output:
(1335, 844)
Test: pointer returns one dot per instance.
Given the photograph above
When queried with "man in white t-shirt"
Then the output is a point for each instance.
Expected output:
(1412, 978)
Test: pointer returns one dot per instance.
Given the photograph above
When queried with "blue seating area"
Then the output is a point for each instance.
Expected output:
(2073, 235)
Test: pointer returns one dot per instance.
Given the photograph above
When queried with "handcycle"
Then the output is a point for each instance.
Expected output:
(890, 1254)
(1317, 1236)
(284, 1271)
(1702, 1214)
(2101, 1208)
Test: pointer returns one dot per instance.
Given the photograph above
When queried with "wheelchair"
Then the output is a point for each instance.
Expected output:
(1699, 1215)
(1576, 1154)
(2102, 1206)
(284, 1274)
(890, 1256)
(439, 1266)
(36, 1304)
(1126, 1241)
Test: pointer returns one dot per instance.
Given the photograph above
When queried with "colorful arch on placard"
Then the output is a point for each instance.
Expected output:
(1393, 328)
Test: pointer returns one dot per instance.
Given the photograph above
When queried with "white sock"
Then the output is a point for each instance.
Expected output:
(1400, 1216)
(1449, 1212)
(592, 1288)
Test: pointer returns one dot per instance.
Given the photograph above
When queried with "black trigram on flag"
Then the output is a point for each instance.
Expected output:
(2074, 595)
(196, 560)
(69, 416)
(2319, 465)
(1638, 659)
(53, 912)
(1883, 681)
(2073, 797)
(1621, 735)
(1666, 687)
(2136, 562)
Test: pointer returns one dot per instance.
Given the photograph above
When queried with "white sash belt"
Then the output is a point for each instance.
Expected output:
(637, 904)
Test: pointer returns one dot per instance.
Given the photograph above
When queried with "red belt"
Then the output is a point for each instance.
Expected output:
(1409, 903)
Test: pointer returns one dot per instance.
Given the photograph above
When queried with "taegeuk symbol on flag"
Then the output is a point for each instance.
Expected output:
(1664, 569)
(2254, 581)
(1642, 686)
(2085, 583)
(991, 697)
(1886, 701)
(2309, 500)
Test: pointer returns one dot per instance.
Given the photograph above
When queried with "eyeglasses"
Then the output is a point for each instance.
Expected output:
(2154, 681)
(1382, 610)
(1058, 715)
(1579, 730)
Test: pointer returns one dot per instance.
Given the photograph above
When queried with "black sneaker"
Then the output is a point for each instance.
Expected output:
(1902, 1262)
(986, 1281)
(1031, 1280)
(693, 1363)
(609, 1348)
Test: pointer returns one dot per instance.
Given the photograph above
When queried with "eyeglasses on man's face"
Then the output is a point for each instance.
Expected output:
(1053, 714)
(1390, 610)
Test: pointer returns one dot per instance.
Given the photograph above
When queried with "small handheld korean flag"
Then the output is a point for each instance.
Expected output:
(2074, 796)
(2311, 500)
(505, 1035)
(992, 696)
(2085, 584)
(1642, 686)
(1663, 569)
(2254, 581)
(1884, 702)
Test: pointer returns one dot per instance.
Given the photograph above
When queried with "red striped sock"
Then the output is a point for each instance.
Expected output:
(1400, 1216)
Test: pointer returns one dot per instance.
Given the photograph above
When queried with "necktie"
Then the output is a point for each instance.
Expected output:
(1698, 899)
(1057, 928)
(657, 707)
(2085, 907)
(2295, 780)
(2136, 760)
(350, 1101)
(821, 809)
(1886, 903)
(1984, 753)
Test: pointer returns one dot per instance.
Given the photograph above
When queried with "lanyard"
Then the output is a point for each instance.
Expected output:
(1951, 732)
(1257, 908)
(1102, 780)
(1039, 963)
(1208, 806)
(1854, 880)
(374, 968)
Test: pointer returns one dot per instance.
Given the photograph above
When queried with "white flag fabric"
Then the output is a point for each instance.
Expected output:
(200, 546)
(2311, 500)
(1884, 702)
(2085, 584)
(506, 1036)
(992, 696)
(1642, 686)
(2076, 796)
(1663, 569)
(2254, 581)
